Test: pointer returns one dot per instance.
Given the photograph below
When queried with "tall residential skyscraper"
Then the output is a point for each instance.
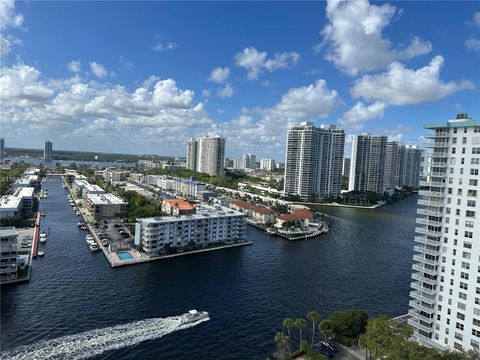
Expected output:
(206, 154)
(391, 165)
(445, 305)
(247, 161)
(409, 164)
(346, 167)
(192, 154)
(267, 164)
(48, 150)
(2, 147)
(314, 161)
(367, 169)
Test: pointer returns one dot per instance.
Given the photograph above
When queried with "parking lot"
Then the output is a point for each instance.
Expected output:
(25, 235)
(111, 232)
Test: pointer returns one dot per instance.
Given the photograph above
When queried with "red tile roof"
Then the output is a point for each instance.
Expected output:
(297, 215)
(246, 205)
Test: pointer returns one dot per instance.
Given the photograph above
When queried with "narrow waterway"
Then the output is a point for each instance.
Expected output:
(364, 262)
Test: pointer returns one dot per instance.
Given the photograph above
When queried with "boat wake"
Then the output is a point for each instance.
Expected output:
(97, 341)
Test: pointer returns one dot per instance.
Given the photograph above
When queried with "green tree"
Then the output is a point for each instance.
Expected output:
(282, 342)
(289, 323)
(326, 327)
(314, 317)
(300, 324)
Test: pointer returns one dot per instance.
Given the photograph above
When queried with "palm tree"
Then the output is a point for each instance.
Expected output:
(282, 342)
(289, 323)
(326, 327)
(314, 317)
(300, 324)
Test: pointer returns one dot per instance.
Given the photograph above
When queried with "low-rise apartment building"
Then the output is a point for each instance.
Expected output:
(25, 181)
(8, 254)
(20, 201)
(177, 207)
(86, 188)
(104, 206)
(259, 214)
(209, 225)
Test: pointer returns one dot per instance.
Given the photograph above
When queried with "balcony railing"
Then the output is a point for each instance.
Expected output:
(419, 277)
(432, 183)
(423, 240)
(421, 258)
(430, 202)
(415, 322)
(430, 211)
(434, 135)
(418, 305)
(419, 295)
(420, 267)
(430, 193)
(418, 285)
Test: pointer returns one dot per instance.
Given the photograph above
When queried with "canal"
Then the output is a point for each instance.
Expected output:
(364, 262)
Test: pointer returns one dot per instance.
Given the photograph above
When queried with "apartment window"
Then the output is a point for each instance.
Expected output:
(473, 171)
(476, 150)
(465, 265)
(454, 150)
(472, 192)
(470, 213)
(475, 161)
(466, 255)
(459, 326)
(469, 234)
(464, 275)
(473, 182)
(462, 296)
(464, 140)
(454, 140)
(463, 150)
(462, 161)
(460, 316)
(471, 203)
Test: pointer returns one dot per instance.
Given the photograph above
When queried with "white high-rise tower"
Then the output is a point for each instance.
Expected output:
(445, 305)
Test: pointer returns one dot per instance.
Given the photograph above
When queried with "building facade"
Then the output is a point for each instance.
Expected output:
(267, 164)
(20, 201)
(104, 206)
(445, 305)
(209, 225)
(314, 161)
(391, 166)
(8, 254)
(48, 150)
(409, 165)
(247, 161)
(3, 153)
(346, 167)
(367, 168)
(206, 155)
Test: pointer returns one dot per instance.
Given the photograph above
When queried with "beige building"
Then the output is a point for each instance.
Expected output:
(257, 213)
(104, 206)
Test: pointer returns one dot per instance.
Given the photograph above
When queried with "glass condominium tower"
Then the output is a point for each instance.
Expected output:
(445, 296)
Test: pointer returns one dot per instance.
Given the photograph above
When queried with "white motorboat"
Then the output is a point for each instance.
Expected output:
(83, 227)
(41, 253)
(91, 242)
(93, 248)
(78, 213)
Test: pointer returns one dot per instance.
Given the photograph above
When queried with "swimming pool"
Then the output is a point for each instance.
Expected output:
(124, 255)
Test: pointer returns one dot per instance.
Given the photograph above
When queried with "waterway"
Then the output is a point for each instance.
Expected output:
(52, 163)
(364, 262)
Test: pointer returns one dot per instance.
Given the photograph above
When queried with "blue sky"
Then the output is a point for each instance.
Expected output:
(143, 77)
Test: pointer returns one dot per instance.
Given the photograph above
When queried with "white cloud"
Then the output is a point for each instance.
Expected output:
(355, 117)
(160, 47)
(98, 69)
(473, 45)
(9, 18)
(402, 86)
(219, 75)
(226, 92)
(206, 93)
(476, 18)
(94, 109)
(75, 66)
(354, 38)
(264, 130)
(255, 62)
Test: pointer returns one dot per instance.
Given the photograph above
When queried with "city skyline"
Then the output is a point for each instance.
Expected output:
(256, 84)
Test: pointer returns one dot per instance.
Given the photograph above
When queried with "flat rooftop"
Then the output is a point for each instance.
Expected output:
(13, 201)
(204, 211)
(105, 199)
(8, 231)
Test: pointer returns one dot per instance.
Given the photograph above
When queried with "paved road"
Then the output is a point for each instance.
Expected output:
(344, 355)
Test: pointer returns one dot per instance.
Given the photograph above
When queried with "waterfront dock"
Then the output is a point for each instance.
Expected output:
(36, 234)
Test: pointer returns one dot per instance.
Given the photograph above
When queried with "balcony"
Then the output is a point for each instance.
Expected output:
(418, 277)
(422, 307)
(429, 212)
(432, 183)
(438, 154)
(414, 322)
(434, 144)
(423, 240)
(420, 267)
(418, 285)
(430, 202)
(424, 250)
(435, 135)
(421, 258)
(419, 295)
(424, 230)
(430, 193)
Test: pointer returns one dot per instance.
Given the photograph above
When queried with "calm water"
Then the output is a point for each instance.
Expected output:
(364, 262)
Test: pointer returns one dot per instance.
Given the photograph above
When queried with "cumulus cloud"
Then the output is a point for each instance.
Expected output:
(74, 66)
(265, 129)
(354, 39)
(226, 91)
(473, 44)
(255, 62)
(476, 18)
(161, 47)
(355, 117)
(219, 75)
(98, 70)
(9, 18)
(92, 108)
(402, 86)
